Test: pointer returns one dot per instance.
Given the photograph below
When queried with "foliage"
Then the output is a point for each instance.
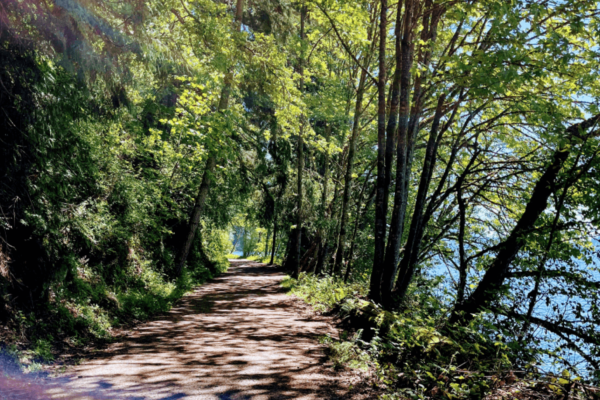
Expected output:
(323, 293)
(447, 171)
(100, 233)
(414, 355)
(347, 353)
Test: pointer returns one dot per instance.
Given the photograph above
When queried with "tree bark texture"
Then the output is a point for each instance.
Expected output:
(404, 59)
(381, 201)
(274, 240)
(406, 268)
(196, 214)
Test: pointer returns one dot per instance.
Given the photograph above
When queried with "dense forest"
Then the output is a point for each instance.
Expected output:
(425, 165)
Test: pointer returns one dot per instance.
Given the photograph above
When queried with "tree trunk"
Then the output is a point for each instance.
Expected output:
(358, 218)
(244, 243)
(348, 178)
(415, 230)
(332, 209)
(431, 17)
(323, 254)
(274, 239)
(290, 251)
(419, 219)
(380, 205)
(325, 192)
(266, 252)
(304, 262)
(277, 160)
(404, 60)
(312, 267)
(298, 241)
(541, 269)
(324, 214)
(462, 267)
(196, 214)
(360, 223)
(300, 168)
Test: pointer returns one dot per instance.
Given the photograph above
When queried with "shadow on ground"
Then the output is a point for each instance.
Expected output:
(237, 337)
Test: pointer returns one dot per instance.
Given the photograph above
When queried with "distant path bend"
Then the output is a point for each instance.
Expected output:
(238, 336)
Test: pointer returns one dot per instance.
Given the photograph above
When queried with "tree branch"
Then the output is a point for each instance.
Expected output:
(345, 45)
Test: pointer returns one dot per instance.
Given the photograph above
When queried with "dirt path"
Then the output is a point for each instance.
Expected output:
(237, 337)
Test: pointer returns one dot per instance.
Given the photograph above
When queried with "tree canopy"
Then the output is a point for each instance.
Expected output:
(444, 153)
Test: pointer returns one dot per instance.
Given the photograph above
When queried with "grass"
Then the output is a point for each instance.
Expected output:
(29, 360)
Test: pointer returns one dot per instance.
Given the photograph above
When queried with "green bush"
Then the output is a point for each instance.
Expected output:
(43, 349)
(324, 293)
(348, 353)
(411, 353)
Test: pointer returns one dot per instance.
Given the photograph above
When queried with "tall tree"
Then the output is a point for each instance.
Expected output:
(382, 185)
(211, 162)
(300, 148)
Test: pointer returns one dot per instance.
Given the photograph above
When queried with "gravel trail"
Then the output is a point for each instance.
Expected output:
(236, 337)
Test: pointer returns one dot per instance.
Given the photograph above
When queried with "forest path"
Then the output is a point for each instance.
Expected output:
(238, 336)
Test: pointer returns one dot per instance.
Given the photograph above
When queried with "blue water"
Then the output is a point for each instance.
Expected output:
(548, 341)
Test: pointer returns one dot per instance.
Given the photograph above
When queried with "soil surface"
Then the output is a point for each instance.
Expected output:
(238, 336)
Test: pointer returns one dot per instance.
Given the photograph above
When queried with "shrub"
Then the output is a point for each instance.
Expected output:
(412, 353)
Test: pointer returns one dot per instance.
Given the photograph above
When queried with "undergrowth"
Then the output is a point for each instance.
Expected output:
(93, 248)
(413, 355)
(91, 306)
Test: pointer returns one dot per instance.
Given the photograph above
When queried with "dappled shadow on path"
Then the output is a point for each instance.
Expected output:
(237, 337)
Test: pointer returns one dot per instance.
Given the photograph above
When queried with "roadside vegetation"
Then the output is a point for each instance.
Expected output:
(428, 169)
(415, 354)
